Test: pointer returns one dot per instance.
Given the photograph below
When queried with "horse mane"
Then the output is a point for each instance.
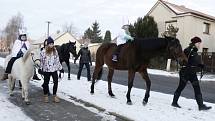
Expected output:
(150, 44)
(147, 48)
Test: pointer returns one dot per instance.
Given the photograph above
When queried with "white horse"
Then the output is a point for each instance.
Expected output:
(23, 70)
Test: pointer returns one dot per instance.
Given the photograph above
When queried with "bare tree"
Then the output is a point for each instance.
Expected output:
(70, 28)
(11, 30)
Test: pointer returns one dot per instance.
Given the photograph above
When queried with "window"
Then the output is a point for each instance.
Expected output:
(206, 29)
(204, 51)
(170, 23)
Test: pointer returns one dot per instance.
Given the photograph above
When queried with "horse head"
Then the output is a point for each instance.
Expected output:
(175, 50)
(35, 56)
(72, 48)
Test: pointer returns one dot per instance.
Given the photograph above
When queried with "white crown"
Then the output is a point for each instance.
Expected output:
(22, 31)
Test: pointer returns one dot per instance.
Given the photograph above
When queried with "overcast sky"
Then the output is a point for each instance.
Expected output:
(111, 14)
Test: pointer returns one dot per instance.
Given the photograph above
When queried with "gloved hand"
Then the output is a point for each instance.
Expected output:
(61, 71)
(201, 66)
(40, 71)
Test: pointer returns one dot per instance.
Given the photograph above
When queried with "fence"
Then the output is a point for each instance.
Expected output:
(208, 59)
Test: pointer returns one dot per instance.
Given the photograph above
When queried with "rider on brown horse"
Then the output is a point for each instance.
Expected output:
(122, 38)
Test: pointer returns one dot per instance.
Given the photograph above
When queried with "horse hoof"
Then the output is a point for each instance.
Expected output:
(11, 95)
(111, 94)
(23, 98)
(91, 92)
(69, 79)
(144, 102)
(129, 103)
(27, 102)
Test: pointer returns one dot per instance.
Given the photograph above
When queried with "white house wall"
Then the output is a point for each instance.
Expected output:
(185, 30)
(189, 26)
(161, 14)
(194, 27)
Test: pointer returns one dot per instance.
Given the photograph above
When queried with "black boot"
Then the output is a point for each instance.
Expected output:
(5, 76)
(35, 77)
(175, 100)
(202, 106)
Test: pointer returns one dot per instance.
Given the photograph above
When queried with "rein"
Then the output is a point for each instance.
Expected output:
(36, 65)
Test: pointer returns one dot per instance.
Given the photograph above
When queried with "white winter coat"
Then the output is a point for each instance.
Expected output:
(18, 45)
(122, 37)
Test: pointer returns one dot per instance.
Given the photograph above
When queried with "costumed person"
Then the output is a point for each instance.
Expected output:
(122, 38)
(20, 46)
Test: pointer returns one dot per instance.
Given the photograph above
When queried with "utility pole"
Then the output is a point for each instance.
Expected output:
(48, 28)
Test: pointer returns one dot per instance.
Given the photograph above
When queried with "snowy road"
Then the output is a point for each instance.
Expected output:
(160, 83)
(39, 111)
(75, 93)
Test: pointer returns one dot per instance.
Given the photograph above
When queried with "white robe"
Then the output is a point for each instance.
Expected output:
(122, 37)
(18, 45)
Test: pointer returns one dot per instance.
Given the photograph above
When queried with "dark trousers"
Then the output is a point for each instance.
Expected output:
(45, 85)
(81, 65)
(117, 50)
(185, 76)
(10, 64)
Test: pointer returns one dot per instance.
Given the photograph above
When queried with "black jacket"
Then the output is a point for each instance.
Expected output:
(85, 55)
(194, 60)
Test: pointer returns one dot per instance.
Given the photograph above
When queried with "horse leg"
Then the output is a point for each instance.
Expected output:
(68, 65)
(20, 85)
(131, 75)
(95, 76)
(145, 76)
(110, 76)
(11, 85)
(25, 91)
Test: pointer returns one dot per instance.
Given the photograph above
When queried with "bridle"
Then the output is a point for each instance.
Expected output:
(170, 52)
(34, 61)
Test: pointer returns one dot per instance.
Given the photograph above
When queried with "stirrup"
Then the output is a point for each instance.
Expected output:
(114, 58)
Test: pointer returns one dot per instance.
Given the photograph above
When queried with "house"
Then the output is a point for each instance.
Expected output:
(190, 23)
(93, 49)
(59, 39)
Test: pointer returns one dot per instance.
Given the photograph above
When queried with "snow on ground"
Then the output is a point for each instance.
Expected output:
(206, 77)
(10, 112)
(158, 108)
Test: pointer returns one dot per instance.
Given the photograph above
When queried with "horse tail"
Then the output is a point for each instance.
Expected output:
(101, 52)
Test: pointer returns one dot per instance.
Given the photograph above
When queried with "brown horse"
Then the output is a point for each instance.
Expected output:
(135, 57)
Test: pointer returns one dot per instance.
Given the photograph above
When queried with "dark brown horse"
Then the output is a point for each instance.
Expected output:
(135, 57)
